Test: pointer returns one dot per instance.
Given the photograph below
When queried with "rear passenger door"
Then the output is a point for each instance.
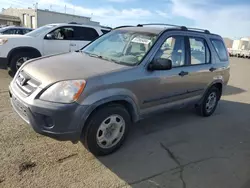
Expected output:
(82, 36)
(200, 68)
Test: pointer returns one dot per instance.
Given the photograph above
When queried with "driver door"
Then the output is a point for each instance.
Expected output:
(58, 41)
(168, 87)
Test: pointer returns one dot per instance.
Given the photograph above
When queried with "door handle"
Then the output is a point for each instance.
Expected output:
(212, 69)
(72, 44)
(183, 73)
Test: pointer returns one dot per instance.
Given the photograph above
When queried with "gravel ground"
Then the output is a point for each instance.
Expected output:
(175, 149)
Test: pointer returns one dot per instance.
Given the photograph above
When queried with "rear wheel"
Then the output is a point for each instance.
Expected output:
(106, 130)
(19, 58)
(209, 102)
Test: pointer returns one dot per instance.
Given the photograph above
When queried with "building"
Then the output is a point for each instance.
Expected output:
(35, 18)
(228, 42)
(9, 20)
(241, 44)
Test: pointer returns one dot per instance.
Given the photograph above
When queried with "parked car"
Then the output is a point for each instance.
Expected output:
(13, 30)
(245, 54)
(94, 95)
(46, 40)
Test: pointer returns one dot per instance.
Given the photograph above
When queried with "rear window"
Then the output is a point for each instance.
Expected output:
(220, 49)
(104, 31)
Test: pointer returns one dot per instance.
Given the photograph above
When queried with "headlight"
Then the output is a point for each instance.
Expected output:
(3, 41)
(64, 91)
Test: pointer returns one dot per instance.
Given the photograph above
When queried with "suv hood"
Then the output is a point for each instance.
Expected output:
(76, 65)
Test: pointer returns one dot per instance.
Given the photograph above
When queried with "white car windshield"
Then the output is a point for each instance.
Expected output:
(121, 46)
(2, 30)
(40, 30)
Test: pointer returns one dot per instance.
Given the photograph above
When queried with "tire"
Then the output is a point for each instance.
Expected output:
(202, 109)
(93, 129)
(17, 56)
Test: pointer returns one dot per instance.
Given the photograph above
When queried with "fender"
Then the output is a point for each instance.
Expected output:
(132, 105)
(103, 97)
(216, 81)
(24, 48)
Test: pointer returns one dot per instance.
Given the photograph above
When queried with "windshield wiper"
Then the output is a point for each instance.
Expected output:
(107, 59)
(94, 55)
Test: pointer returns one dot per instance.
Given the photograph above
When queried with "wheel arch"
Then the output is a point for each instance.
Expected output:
(218, 84)
(124, 101)
(33, 50)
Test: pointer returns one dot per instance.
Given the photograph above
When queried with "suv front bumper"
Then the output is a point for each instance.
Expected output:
(59, 121)
(3, 62)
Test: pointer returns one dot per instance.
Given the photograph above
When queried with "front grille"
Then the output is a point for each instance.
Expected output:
(26, 83)
(20, 108)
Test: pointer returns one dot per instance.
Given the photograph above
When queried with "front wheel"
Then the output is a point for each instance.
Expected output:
(106, 130)
(209, 102)
(18, 59)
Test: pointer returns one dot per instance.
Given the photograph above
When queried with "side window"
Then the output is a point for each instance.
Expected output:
(63, 33)
(174, 49)
(220, 49)
(26, 31)
(19, 31)
(10, 32)
(200, 53)
(85, 33)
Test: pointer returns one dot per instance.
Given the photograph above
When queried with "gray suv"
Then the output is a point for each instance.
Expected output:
(95, 94)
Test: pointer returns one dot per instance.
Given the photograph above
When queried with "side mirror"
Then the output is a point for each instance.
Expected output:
(49, 36)
(160, 64)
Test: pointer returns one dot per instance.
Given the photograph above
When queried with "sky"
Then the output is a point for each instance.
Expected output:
(229, 18)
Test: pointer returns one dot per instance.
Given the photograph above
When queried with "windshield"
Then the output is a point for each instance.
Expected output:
(40, 30)
(123, 47)
(2, 30)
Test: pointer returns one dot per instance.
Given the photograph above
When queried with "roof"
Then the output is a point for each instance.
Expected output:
(78, 24)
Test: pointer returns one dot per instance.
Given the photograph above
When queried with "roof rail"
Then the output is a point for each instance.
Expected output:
(197, 29)
(73, 23)
(171, 25)
(122, 26)
(178, 26)
(106, 27)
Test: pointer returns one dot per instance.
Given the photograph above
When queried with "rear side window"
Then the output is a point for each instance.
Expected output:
(220, 49)
(104, 31)
(85, 33)
(200, 53)
(26, 31)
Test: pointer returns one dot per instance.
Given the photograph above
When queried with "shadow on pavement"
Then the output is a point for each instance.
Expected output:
(11, 73)
(142, 161)
(231, 90)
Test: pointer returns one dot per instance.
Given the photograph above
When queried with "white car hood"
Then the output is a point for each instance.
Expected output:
(14, 36)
